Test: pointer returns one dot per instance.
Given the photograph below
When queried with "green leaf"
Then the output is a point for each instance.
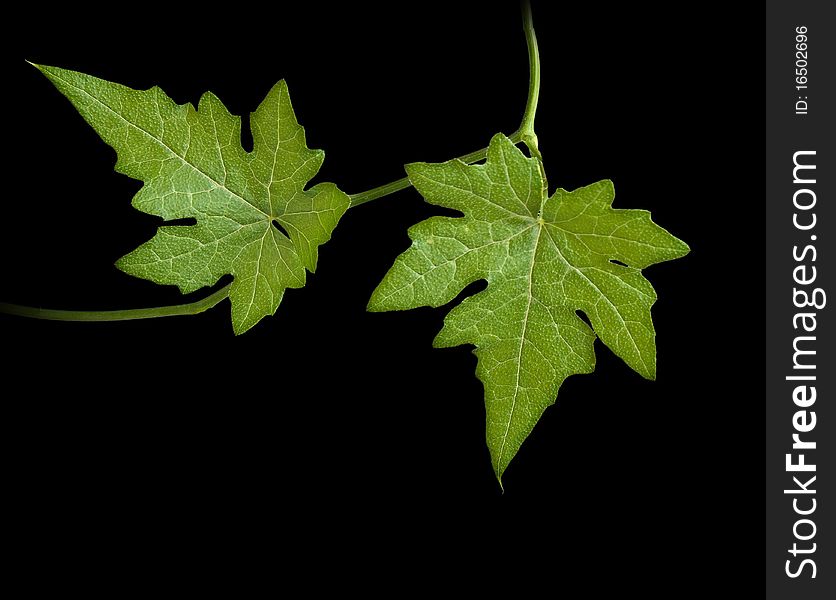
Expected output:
(544, 259)
(194, 167)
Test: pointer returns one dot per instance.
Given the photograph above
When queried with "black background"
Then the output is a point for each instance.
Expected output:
(145, 448)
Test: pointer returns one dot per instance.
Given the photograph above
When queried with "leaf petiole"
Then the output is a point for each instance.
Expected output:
(524, 134)
(526, 130)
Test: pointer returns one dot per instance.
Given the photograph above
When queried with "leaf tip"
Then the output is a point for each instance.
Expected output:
(499, 463)
(278, 90)
(648, 371)
(240, 326)
(684, 249)
(374, 304)
(122, 264)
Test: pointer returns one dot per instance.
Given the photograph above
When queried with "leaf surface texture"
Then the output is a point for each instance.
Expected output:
(194, 167)
(544, 258)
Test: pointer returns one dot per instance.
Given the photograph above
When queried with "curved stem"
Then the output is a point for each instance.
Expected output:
(524, 134)
(527, 125)
(192, 308)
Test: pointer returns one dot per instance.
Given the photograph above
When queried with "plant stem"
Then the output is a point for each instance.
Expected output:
(193, 308)
(524, 134)
(403, 183)
(527, 125)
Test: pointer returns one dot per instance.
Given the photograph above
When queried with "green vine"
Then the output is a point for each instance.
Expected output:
(545, 258)
(525, 134)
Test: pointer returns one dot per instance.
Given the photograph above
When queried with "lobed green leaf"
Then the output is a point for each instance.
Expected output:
(193, 166)
(544, 258)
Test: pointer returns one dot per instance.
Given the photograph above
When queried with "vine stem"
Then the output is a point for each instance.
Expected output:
(527, 135)
(529, 138)
(130, 314)
(524, 134)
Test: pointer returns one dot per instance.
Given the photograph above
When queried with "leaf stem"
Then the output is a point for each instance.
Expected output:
(527, 125)
(529, 138)
(524, 134)
(192, 308)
